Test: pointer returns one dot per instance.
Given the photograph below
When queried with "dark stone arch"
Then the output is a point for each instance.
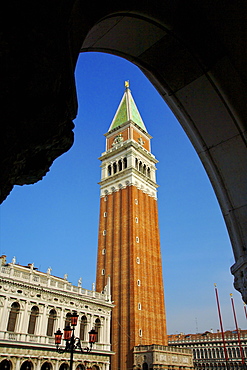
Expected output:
(189, 76)
(13, 316)
(27, 365)
(50, 323)
(185, 53)
(46, 366)
(64, 366)
(80, 367)
(83, 325)
(6, 365)
(32, 319)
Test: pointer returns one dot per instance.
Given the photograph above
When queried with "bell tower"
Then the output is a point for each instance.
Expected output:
(129, 242)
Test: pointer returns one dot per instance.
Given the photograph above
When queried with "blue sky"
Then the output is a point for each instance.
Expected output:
(55, 222)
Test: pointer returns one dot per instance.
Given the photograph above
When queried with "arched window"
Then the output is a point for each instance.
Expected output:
(114, 167)
(67, 319)
(14, 312)
(144, 169)
(217, 353)
(97, 328)
(109, 170)
(148, 172)
(120, 165)
(46, 366)
(51, 321)
(245, 350)
(83, 325)
(32, 320)
(140, 166)
(136, 163)
(5, 365)
(213, 353)
(125, 162)
(27, 365)
(222, 353)
(238, 352)
(64, 366)
(229, 352)
(144, 366)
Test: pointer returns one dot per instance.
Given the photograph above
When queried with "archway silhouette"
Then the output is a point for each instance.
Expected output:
(195, 60)
(197, 94)
(6, 365)
(27, 365)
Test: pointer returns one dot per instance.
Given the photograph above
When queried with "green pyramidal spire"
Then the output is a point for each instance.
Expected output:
(127, 111)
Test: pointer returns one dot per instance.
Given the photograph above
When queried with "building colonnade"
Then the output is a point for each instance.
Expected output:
(34, 305)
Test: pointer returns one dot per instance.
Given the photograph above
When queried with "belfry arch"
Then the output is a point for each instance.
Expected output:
(193, 53)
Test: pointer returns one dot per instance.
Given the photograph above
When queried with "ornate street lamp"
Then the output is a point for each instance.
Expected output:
(73, 343)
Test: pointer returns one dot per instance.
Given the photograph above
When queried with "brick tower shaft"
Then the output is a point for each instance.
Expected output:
(129, 242)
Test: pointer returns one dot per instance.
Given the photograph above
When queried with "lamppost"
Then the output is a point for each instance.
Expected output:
(72, 342)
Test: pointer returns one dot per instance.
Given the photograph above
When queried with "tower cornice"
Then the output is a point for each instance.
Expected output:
(124, 146)
(116, 178)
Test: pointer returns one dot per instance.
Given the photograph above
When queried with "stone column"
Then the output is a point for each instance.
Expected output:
(56, 366)
(25, 318)
(5, 315)
(20, 327)
(43, 323)
(103, 330)
(107, 330)
(153, 173)
(130, 160)
(60, 319)
(38, 329)
(38, 364)
(18, 364)
(104, 171)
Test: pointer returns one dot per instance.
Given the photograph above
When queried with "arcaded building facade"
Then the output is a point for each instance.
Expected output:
(208, 349)
(33, 305)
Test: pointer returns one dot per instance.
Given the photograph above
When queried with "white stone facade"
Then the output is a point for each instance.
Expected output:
(33, 305)
(208, 349)
(157, 357)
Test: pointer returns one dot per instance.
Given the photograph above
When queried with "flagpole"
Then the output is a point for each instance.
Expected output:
(221, 325)
(245, 310)
(236, 324)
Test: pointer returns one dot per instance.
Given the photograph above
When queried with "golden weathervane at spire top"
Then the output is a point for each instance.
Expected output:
(127, 84)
